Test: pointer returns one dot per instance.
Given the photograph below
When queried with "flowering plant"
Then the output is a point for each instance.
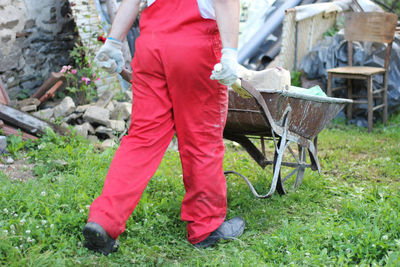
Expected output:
(80, 77)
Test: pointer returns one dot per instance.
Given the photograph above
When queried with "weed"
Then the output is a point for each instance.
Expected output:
(295, 78)
(14, 144)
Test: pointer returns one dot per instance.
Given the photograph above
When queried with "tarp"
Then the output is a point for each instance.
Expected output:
(331, 52)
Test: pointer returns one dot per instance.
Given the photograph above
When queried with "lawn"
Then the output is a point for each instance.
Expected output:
(347, 215)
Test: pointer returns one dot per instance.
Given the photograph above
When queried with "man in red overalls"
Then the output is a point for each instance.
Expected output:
(180, 42)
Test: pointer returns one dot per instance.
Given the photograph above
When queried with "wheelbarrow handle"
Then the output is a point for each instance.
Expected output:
(126, 75)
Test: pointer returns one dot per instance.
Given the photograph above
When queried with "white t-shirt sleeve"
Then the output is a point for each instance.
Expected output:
(206, 7)
(149, 2)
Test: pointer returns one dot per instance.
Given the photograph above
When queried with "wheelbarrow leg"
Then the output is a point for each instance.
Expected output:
(281, 147)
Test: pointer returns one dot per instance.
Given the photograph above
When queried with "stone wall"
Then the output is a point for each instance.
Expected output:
(36, 37)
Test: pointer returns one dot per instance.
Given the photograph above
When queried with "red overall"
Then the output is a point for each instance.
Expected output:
(172, 91)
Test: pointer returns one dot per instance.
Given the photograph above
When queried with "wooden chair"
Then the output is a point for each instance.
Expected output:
(370, 27)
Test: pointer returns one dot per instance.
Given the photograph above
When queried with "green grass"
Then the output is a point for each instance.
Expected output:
(348, 215)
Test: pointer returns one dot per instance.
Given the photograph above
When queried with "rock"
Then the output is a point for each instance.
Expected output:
(117, 125)
(105, 98)
(93, 138)
(84, 129)
(104, 131)
(44, 114)
(31, 85)
(10, 24)
(12, 81)
(81, 130)
(10, 61)
(71, 117)
(97, 115)
(28, 102)
(28, 108)
(3, 144)
(128, 95)
(122, 111)
(66, 107)
(64, 125)
(108, 143)
(110, 106)
(82, 109)
(60, 162)
(9, 160)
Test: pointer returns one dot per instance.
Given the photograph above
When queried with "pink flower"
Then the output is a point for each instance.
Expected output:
(73, 71)
(64, 69)
(86, 80)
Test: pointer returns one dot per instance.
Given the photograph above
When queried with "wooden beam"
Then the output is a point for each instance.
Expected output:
(4, 99)
(54, 78)
(27, 122)
(9, 130)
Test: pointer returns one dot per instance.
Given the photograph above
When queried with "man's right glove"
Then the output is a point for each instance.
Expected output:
(110, 56)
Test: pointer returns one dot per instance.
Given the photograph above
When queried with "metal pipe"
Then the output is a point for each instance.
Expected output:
(269, 26)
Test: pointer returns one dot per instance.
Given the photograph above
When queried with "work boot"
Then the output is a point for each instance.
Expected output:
(230, 229)
(97, 239)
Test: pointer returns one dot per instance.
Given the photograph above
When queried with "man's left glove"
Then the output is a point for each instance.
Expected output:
(110, 56)
(226, 75)
(226, 72)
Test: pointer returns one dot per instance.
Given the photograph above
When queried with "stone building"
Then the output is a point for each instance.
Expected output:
(36, 37)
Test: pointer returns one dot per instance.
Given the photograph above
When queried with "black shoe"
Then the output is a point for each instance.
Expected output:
(228, 230)
(97, 239)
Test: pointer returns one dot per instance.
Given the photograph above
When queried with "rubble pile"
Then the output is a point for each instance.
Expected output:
(106, 120)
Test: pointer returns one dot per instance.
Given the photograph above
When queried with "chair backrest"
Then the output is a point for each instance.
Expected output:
(370, 27)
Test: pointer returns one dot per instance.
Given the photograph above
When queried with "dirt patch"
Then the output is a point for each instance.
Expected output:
(20, 170)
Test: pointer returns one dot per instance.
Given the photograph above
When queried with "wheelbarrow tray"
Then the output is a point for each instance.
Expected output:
(309, 114)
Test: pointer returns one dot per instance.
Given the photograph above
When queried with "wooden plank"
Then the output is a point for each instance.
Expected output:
(54, 77)
(50, 93)
(370, 26)
(9, 130)
(4, 99)
(358, 6)
(26, 121)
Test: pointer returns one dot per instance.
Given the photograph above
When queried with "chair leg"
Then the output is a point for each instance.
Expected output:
(329, 87)
(370, 103)
(349, 96)
(385, 102)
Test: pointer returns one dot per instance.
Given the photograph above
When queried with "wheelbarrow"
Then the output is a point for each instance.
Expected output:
(291, 120)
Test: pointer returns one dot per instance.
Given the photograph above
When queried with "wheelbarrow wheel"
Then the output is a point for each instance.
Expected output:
(291, 171)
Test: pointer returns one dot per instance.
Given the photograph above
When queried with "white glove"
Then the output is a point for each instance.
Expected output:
(227, 71)
(226, 75)
(109, 57)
